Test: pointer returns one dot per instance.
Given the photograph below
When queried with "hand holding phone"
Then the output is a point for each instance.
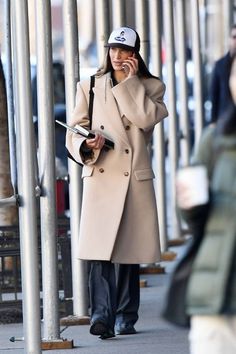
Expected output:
(130, 66)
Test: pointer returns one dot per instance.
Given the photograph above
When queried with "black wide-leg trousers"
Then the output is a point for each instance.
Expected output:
(114, 293)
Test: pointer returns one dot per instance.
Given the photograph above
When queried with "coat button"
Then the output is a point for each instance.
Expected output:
(102, 127)
(101, 170)
(126, 174)
(127, 151)
(127, 127)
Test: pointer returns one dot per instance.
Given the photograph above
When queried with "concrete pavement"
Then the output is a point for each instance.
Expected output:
(155, 335)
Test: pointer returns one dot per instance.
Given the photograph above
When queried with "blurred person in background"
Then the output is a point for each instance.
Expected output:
(220, 94)
(119, 223)
(211, 297)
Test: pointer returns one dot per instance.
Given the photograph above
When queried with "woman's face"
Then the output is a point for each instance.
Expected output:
(118, 56)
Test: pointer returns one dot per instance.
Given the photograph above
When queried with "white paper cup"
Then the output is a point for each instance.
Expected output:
(192, 186)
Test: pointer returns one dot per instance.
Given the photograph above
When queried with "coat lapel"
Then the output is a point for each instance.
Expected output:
(102, 91)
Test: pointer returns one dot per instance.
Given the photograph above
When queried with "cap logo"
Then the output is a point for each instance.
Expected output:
(121, 37)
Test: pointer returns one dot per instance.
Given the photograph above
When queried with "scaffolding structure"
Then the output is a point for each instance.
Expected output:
(174, 34)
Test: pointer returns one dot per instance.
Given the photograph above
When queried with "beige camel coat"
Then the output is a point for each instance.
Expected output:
(119, 216)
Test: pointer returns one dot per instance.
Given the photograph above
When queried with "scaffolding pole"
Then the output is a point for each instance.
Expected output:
(158, 137)
(79, 269)
(102, 28)
(26, 180)
(183, 91)
(10, 101)
(172, 120)
(141, 26)
(197, 84)
(118, 13)
(46, 137)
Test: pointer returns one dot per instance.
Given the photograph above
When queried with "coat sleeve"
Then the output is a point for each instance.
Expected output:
(74, 142)
(205, 153)
(141, 101)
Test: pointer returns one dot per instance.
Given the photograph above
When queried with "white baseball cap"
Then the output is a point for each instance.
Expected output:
(124, 37)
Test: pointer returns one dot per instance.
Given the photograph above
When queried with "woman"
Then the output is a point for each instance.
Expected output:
(119, 221)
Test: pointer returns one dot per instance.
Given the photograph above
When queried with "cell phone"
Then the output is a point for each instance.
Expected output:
(125, 68)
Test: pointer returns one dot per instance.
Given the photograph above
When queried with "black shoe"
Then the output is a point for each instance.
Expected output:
(100, 329)
(124, 329)
(107, 335)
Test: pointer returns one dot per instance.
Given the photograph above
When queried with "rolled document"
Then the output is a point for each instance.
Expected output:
(86, 133)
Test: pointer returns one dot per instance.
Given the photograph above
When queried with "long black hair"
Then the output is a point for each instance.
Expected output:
(142, 68)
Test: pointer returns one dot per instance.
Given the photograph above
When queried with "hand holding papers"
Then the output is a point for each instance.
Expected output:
(86, 133)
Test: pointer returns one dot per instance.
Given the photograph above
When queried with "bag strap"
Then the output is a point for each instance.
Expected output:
(90, 111)
(91, 97)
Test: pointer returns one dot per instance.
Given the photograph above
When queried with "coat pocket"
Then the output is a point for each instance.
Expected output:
(87, 171)
(142, 175)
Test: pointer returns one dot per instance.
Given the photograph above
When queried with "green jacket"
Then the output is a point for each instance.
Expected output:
(212, 284)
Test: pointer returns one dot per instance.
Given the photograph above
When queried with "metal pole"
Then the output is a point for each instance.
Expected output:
(79, 271)
(228, 21)
(158, 138)
(172, 121)
(203, 18)
(141, 26)
(10, 103)
(47, 171)
(197, 84)
(102, 27)
(118, 13)
(26, 178)
(183, 93)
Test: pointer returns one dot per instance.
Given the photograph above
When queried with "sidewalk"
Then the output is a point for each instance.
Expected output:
(155, 336)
